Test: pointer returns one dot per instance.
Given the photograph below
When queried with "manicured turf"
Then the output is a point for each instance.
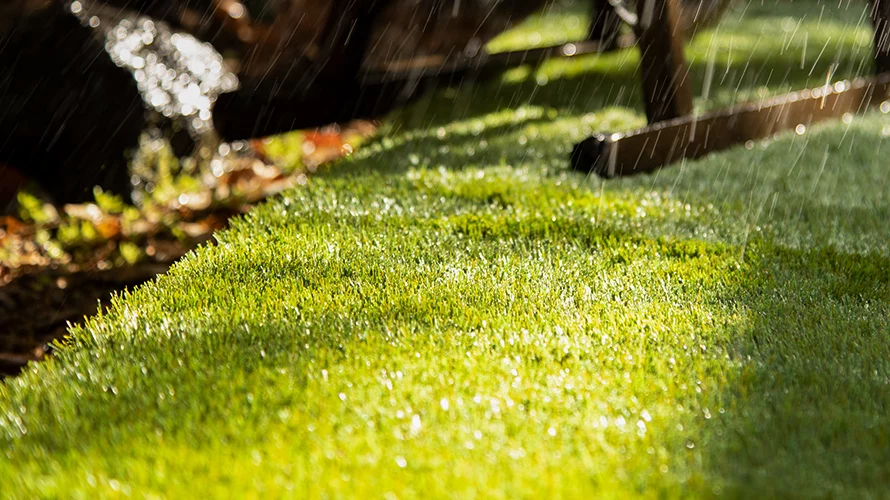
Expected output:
(452, 312)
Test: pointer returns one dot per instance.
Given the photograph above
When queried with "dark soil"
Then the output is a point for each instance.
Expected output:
(37, 308)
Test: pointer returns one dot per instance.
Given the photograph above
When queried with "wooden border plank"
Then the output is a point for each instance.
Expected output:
(689, 137)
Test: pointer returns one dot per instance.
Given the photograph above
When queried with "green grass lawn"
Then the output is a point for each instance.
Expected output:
(452, 312)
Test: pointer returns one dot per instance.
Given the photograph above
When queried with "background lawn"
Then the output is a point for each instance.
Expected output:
(451, 312)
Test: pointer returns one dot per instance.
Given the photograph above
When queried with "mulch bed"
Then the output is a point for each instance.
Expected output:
(37, 307)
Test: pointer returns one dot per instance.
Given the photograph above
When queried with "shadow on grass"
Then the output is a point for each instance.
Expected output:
(806, 412)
